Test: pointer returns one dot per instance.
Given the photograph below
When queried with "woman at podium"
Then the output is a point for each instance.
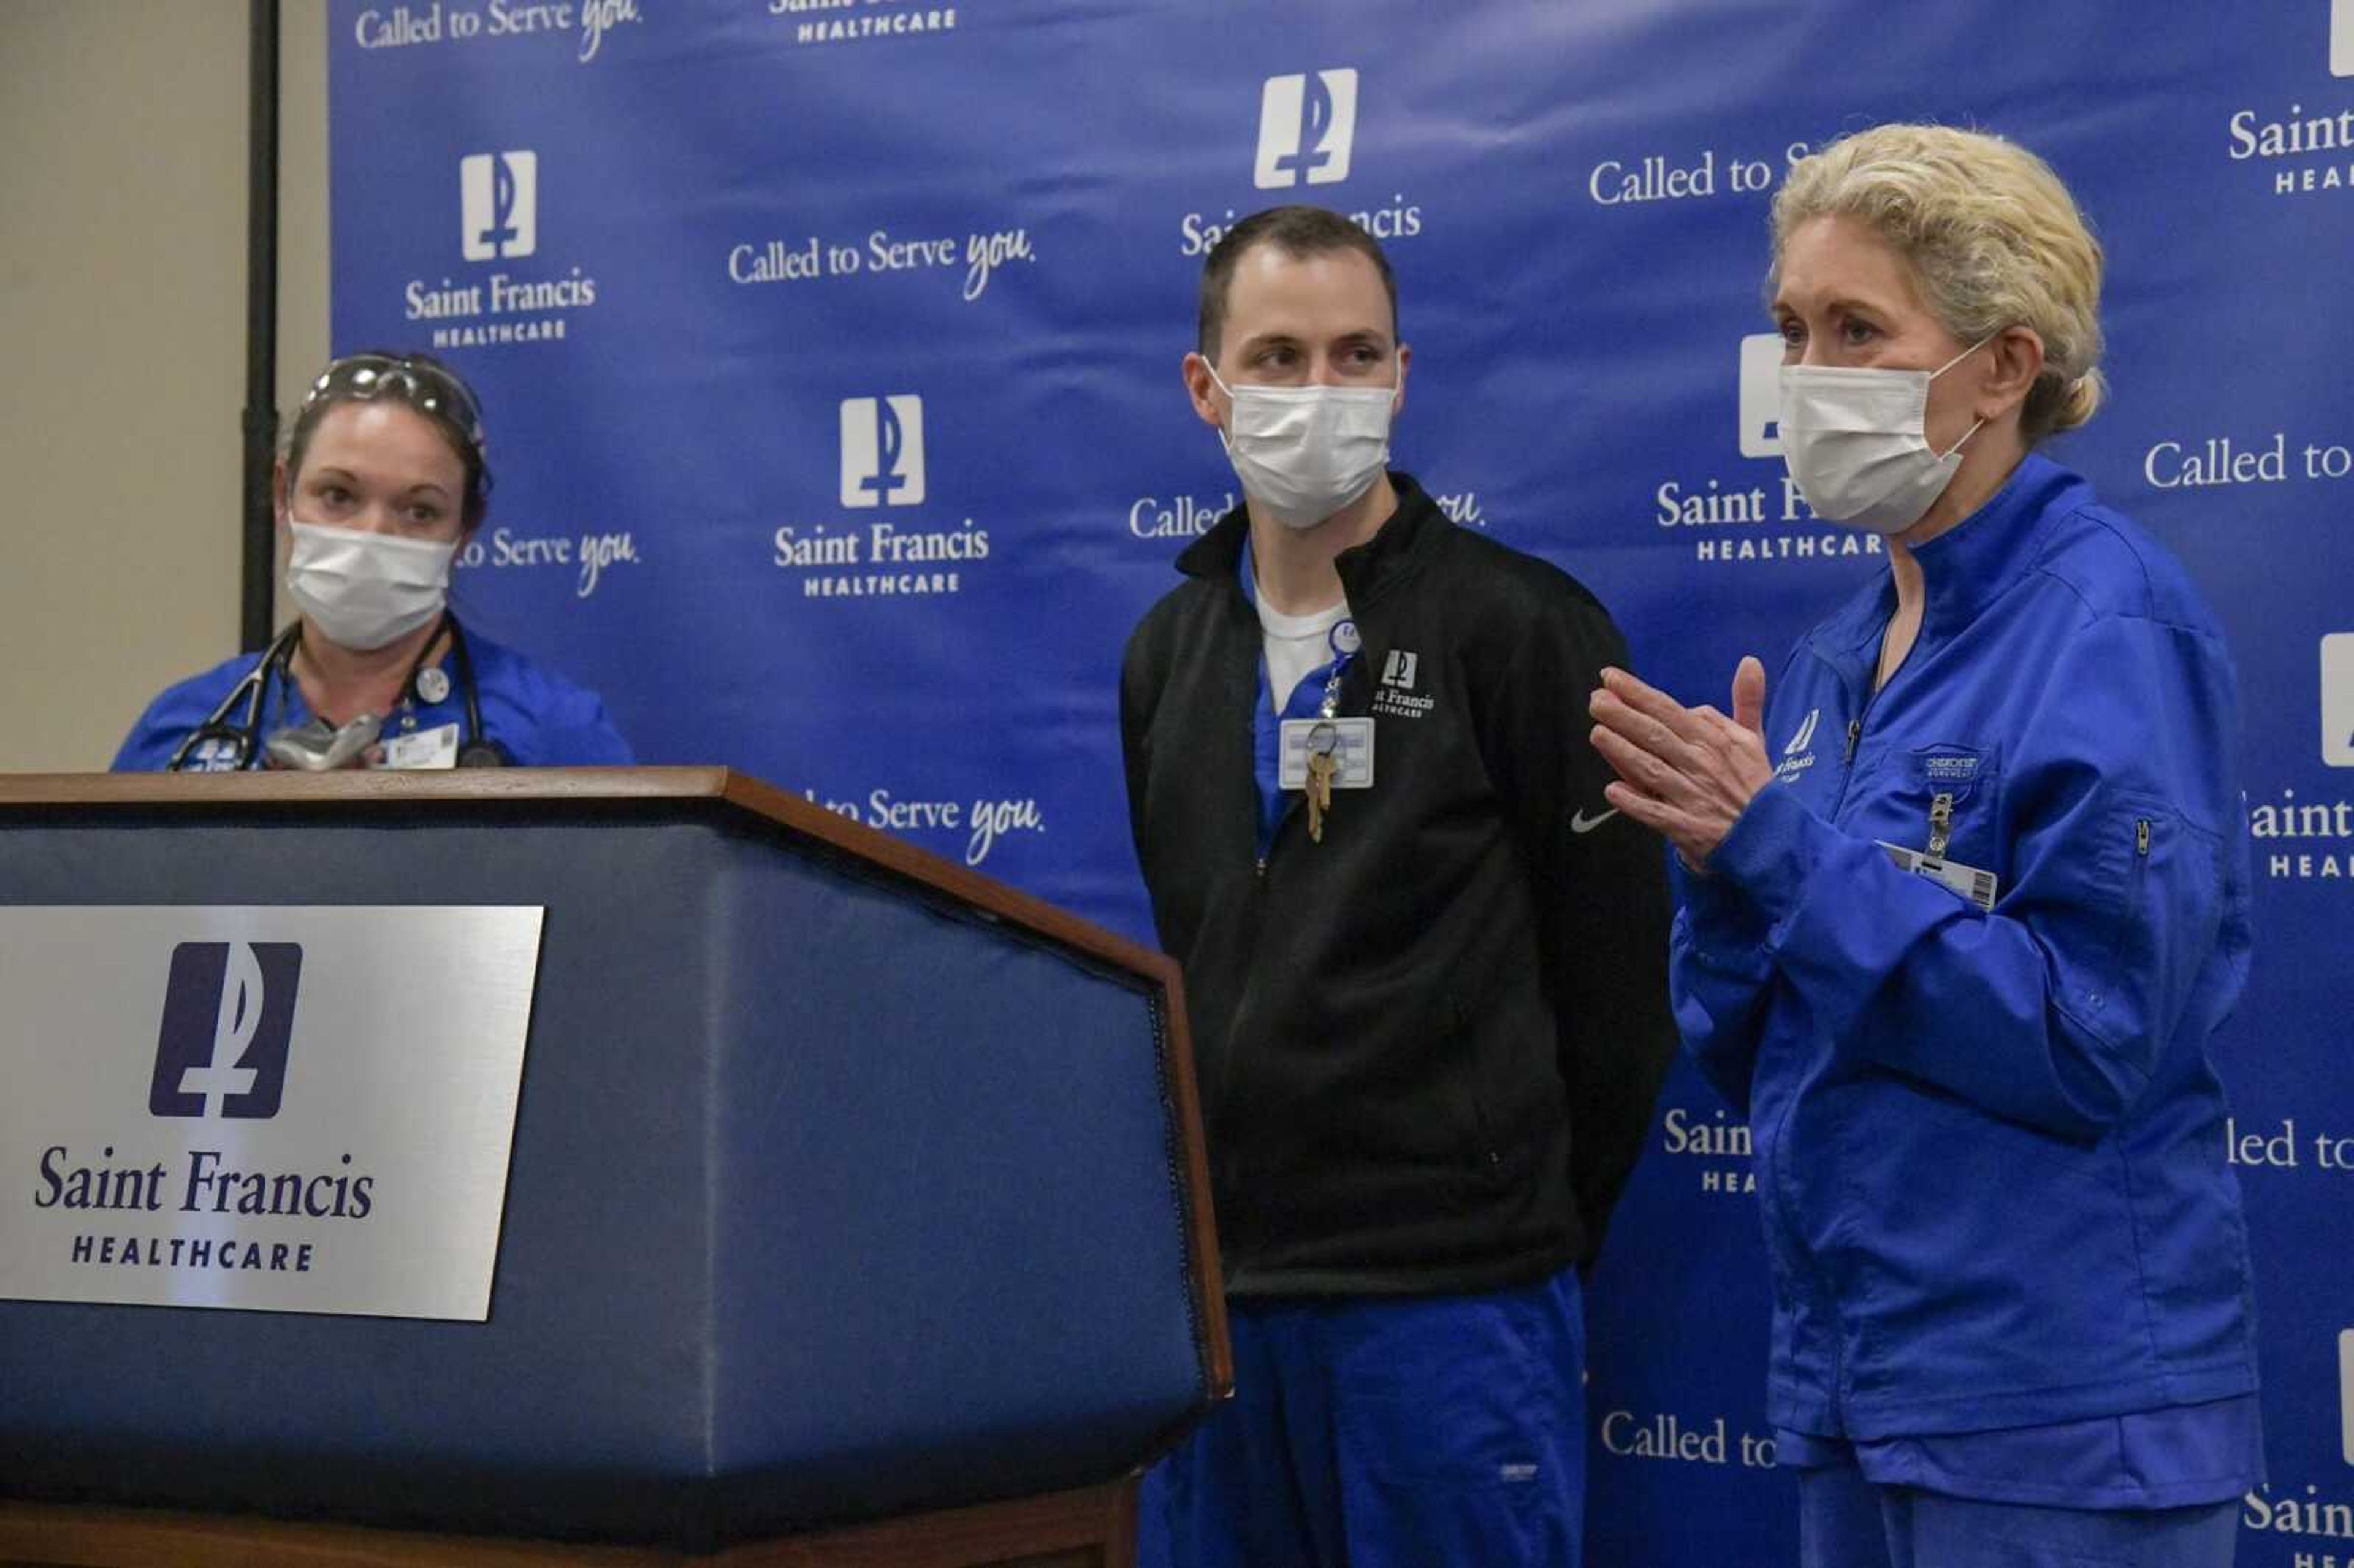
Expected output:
(382, 482)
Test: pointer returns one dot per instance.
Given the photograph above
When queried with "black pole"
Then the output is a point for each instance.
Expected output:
(260, 326)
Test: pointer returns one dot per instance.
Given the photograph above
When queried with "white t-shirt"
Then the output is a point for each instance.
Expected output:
(1296, 644)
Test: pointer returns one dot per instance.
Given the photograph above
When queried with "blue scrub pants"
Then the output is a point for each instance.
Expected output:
(1385, 1432)
(1847, 1521)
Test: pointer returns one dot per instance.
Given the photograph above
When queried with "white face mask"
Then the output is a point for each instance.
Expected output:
(365, 590)
(1305, 452)
(1856, 442)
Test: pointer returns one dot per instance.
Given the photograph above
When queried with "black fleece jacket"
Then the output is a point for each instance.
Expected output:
(1429, 1046)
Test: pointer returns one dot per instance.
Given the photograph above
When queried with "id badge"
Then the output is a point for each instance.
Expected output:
(1974, 886)
(1348, 741)
(436, 748)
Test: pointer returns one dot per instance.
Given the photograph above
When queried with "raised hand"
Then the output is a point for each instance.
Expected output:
(1687, 772)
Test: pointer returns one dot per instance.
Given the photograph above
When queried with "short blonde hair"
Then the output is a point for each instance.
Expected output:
(1993, 235)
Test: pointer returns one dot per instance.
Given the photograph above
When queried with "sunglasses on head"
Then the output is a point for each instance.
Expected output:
(422, 385)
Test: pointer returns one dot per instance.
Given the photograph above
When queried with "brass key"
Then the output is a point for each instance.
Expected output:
(1321, 769)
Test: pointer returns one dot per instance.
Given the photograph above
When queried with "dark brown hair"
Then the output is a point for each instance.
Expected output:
(1299, 231)
(461, 427)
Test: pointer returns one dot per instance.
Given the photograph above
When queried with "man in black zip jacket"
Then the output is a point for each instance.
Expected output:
(1425, 961)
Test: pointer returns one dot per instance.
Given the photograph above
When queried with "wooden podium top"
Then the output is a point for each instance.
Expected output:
(723, 788)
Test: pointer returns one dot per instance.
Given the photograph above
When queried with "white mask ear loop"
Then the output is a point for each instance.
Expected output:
(1964, 355)
(1957, 446)
(1225, 437)
(1974, 430)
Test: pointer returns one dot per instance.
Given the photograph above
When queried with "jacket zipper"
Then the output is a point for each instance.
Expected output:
(1258, 872)
(2143, 831)
(1846, 756)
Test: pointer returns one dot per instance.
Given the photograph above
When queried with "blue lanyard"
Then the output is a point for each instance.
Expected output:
(1309, 699)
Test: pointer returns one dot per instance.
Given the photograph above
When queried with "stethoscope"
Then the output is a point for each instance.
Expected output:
(243, 739)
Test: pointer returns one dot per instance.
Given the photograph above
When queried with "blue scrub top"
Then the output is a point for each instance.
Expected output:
(542, 719)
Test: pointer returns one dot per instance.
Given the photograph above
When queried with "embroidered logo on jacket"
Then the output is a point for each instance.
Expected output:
(1395, 696)
(1799, 753)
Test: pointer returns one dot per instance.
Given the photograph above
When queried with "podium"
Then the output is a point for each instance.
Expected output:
(855, 1209)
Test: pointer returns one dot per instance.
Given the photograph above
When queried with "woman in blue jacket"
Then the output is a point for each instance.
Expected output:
(1964, 907)
(382, 483)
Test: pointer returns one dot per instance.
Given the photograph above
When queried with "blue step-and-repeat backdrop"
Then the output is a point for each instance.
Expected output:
(830, 354)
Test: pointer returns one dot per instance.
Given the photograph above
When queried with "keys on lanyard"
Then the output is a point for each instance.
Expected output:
(1323, 753)
(1324, 766)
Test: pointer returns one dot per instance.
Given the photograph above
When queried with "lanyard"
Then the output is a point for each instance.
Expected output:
(1317, 695)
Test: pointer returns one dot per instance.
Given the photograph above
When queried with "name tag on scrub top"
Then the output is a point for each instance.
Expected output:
(1348, 741)
(1973, 885)
(435, 747)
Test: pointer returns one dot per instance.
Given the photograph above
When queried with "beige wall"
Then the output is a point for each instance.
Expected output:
(122, 212)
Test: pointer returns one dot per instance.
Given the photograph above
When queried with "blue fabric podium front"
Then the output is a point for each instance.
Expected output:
(844, 1185)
